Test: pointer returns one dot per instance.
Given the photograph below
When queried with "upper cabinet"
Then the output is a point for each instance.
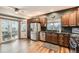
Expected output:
(35, 20)
(72, 18)
(78, 17)
(43, 20)
(65, 19)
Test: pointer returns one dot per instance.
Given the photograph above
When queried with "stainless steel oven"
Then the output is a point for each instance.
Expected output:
(74, 42)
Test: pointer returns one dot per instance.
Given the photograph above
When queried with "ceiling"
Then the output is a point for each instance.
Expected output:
(30, 11)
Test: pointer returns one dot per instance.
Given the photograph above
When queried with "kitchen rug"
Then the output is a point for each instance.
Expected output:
(51, 46)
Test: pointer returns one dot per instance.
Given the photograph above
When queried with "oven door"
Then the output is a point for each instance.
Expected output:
(72, 43)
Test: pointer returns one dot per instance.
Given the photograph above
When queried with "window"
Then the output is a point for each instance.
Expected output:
(23, 27)
(54, 26)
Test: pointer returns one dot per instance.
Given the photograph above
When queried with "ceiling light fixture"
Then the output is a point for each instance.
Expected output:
(16, 9)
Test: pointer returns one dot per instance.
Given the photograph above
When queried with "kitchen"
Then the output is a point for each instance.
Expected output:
(52, 32)
(60, 28)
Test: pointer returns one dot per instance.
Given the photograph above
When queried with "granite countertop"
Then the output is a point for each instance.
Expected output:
(55, 32)
(60, 32)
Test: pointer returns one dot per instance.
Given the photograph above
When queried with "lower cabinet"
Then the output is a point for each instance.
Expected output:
(54, 38)
(58, 39)
(66, 40)
(49, 37)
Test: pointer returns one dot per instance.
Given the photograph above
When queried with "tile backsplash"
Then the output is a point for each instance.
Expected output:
(75, 30)
(69, 30)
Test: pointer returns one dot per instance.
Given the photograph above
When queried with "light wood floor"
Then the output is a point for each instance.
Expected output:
(29, 46)
(39, 48)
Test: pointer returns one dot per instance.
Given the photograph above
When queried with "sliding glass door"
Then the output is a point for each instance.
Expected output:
(6, 33)
(14, 25)
(9, 29)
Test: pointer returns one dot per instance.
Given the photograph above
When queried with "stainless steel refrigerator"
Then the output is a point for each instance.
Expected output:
(35, 28)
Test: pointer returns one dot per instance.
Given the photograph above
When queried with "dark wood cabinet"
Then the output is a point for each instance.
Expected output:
(58, 39)
(43, 20)
(35, 20)
(54, 38)
(66, 40)
(49, 37)
(65, 19)
(78, 17)
(72, 19)
(61, 39)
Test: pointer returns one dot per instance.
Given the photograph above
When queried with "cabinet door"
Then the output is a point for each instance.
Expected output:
(72, 19)
(78, 17)
(43, 21)
(54, 38)
(48, 37)
(66, 40)
(65, 19)
(60, 39)
(35, 20)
